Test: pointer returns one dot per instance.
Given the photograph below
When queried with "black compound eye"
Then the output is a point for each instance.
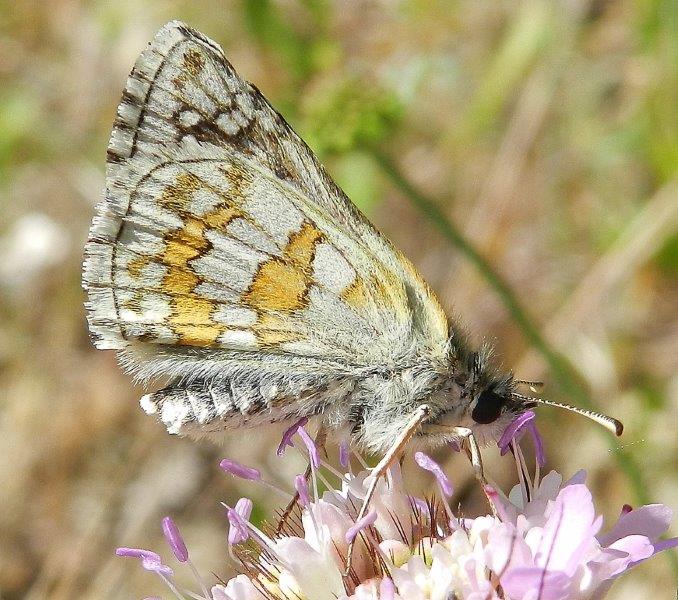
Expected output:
(488, 407)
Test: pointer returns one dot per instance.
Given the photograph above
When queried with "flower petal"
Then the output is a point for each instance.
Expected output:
(638, 547)
(386, 589)
(549, 585)
(651, 520)
(506, 549)
(238, 588)
(317, 574)
(569, 530)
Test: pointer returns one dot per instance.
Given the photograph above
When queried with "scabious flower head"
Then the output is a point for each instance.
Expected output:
(542, 540)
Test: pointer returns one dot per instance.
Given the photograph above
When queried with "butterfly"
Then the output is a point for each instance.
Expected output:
(225, 262)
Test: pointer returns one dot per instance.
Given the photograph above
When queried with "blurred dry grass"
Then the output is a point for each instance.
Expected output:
(548, 132)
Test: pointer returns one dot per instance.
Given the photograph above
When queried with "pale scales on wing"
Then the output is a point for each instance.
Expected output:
(224, 257)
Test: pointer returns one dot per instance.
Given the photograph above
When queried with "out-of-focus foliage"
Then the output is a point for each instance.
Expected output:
(547, 131)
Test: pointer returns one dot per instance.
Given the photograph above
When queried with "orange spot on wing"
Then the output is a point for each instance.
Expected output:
(277, 286)
(179, 280)
(136, 265)
(221, 217)
(192, 321)
(191, 316)
(356, 294)
(300, 248)
(282, 284)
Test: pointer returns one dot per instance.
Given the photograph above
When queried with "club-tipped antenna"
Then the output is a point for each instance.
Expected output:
(613, 425)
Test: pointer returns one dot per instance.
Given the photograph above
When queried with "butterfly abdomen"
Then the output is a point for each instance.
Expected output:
(204, 406)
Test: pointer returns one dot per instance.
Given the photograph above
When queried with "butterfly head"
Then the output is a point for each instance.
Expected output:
(476, 396)
(488, 401)
(485, 400)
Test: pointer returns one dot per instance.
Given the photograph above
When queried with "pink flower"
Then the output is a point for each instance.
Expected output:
(545, 542)
(559, 553)
(240, 588)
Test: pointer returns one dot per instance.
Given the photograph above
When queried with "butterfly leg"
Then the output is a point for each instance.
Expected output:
(470, 444)
(393, 453)
(320, 439)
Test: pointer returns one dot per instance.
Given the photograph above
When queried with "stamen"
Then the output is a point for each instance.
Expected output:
(239, 470)
(360, 524)
(313, 453)
(172, 587)
(521, 467)
(238, 532)
(516, 429)
(426, 462)
(419, 504)
(334, 471)
(289, 434)
(361, 460)
(199, 579)
(150, 561)
(526, 472)
(302, 489)
(243, 508)
(174, 539)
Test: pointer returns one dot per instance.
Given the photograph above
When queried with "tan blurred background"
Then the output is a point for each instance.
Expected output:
(546, 131)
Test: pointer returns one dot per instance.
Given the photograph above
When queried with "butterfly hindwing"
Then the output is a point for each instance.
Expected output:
(221, 237)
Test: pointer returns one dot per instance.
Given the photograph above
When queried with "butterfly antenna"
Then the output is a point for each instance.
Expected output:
(613, 425)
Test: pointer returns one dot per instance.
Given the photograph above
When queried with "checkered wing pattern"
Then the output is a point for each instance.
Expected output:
(221, 237)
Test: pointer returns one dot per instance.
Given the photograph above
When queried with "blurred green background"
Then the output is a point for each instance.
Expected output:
(545, 132)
